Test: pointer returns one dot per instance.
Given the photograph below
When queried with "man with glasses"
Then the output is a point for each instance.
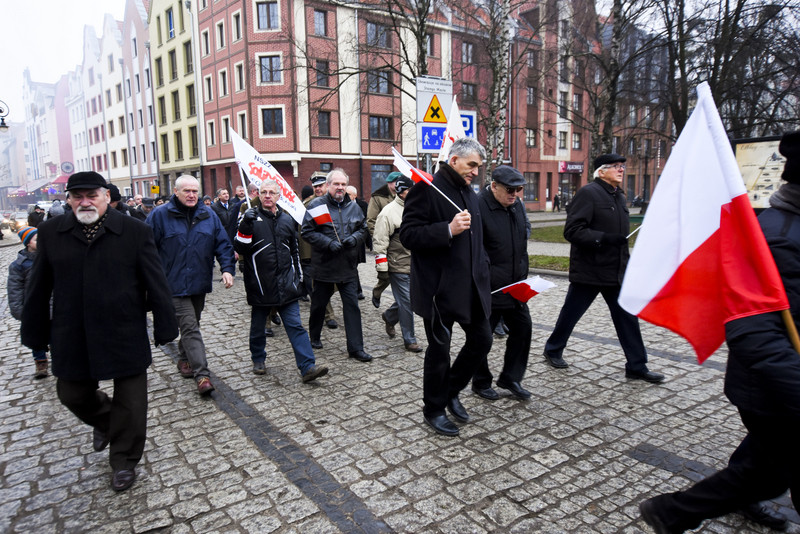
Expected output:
(505, 238)
(597, 227)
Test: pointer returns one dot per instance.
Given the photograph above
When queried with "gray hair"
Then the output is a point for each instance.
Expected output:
(183, 178)
(270, 184)
(465, 147)
(601, 168)
(220, 190)
(329, 177)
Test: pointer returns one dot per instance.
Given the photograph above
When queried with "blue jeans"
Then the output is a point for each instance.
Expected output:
(400, 311)
(290, 316)
(40, 355)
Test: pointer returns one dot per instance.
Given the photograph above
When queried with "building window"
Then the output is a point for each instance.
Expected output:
(113, 160)
(144, 155)
(176, 106)
(576, 141)
(111, 128)
(562, 104)
(530, 137)
(225, 134)
(378, 35)
(159, 73)
(209, 89)
(324, 121)
(468, 93)
(378, 82)
(531, 191)
(270, 69)
(267, 13)
(531, 96)
(124, 153)
(632, 146)
(187, 57)
(108, 97)
(223, 83)
(121, 121)
(632, 115)
(532, 59)
(204, 39)
(212, 133)
(429, 45)
(236, 26)
(173, 65)
(562, 140)
(147, 78)
(615, 144)
(563, 70)
(380, 127)
(178, 145)
(153, 152)
(162, 111)
(134, 160)
(150, 115)
(243, 124)
(320, 22)
(322, 73)
(192, 141)
(272, 121)
(467, 52)
(190, 100)
(239, 70)
(220, 35)
(164, 149)
(170, 24)
(119, 92)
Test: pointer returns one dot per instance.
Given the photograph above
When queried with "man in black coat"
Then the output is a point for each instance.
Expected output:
(267, 244)
(228, 212)
(449, 279)
(505, 238)
(334, 262)
(762, 381)
(597, 227)
(90, 261)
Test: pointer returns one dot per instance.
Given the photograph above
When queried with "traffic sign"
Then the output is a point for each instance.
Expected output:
(434, 98)
(435, 113)
(430, 137)
(468, 119)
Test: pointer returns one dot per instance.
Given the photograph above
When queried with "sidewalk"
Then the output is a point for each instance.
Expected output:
(349, 453)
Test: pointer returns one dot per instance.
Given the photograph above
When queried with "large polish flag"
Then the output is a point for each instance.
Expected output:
(408, 170)
(701, 258)
(454, 130)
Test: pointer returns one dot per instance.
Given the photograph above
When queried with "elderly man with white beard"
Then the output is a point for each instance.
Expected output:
(89, 261)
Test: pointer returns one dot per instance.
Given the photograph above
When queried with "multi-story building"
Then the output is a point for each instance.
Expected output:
(178, 113)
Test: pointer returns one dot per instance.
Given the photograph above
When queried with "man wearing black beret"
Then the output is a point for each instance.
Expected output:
(597, 227)
(505, 238)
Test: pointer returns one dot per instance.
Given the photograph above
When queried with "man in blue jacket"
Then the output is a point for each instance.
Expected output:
(189, 236)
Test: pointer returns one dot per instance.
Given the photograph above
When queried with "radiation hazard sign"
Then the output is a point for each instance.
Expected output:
(435, 113)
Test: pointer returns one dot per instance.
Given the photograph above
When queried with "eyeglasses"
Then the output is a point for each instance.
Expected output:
(616, 166)
(510, 190)
(270, 193)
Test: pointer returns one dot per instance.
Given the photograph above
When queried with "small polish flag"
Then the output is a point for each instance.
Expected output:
(380, 258)
(526, 289)
(409, 170)
(320, 214)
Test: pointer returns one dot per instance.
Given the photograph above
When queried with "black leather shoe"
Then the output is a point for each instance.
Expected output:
(763, 515)
(332, 324)
(556, 361)
(376, 302)
(99, 440)
(458, 410)
(360, 296)
(486, 393)
(122, 479)
(276, 319)
(647, 376)
(316, 344)
(515, 388)
(361, 356)
(442, 425)
(650, 515)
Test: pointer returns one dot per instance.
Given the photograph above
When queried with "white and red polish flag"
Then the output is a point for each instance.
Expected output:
(701, 258)
(320, 214)
(525, 290)
(409, 170)
(454, 130)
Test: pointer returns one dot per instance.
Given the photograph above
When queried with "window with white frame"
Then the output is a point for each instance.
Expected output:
(467, 52)
(562, 140)
(271, 121)
(236, 26)
(270, 69)
(239, 76)
(170, 24)
(220, 34)
(531, 96)
(225, 132)
(242, 117)
(209, 88)
(267, 16)
(211, 132)
(320, 22)
(223, 82)
(576, 141)
(530, 137)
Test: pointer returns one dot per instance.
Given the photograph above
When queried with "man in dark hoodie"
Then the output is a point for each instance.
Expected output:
(762, 381)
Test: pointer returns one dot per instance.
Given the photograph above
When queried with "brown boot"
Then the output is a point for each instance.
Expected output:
(41, 369)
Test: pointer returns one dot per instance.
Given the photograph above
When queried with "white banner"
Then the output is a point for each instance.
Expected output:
(258, 169)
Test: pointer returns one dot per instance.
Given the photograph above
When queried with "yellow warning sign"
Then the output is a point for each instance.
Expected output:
(435, 112)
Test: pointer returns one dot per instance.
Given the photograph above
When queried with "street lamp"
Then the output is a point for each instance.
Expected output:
(3, 115)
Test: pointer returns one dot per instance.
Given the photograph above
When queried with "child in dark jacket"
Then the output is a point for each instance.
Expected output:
(17, 283)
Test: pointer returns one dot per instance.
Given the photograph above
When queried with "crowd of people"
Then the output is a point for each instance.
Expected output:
(444, 249)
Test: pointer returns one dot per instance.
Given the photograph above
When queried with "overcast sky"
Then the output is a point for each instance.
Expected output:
(47, 37)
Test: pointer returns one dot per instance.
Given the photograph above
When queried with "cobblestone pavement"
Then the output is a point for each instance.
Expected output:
(350, 453)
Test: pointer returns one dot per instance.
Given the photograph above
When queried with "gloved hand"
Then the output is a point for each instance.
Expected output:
(250, 215)
(334, 246)
(614, 239)
(349, 242)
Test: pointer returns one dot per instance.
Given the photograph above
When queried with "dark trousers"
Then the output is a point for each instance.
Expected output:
(518, 346)
(441, 381)
(307, 288)
(348, 290)
(579, 298)
(763, 467)
(381, 285)
(122, 418)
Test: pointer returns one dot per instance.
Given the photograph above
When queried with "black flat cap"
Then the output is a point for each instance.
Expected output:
(507, 175)
(85, 180)
(790, 149)
(607, 159)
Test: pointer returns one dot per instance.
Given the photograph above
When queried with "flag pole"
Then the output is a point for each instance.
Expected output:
(630, 234)
(244, 184)
(790, 326)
